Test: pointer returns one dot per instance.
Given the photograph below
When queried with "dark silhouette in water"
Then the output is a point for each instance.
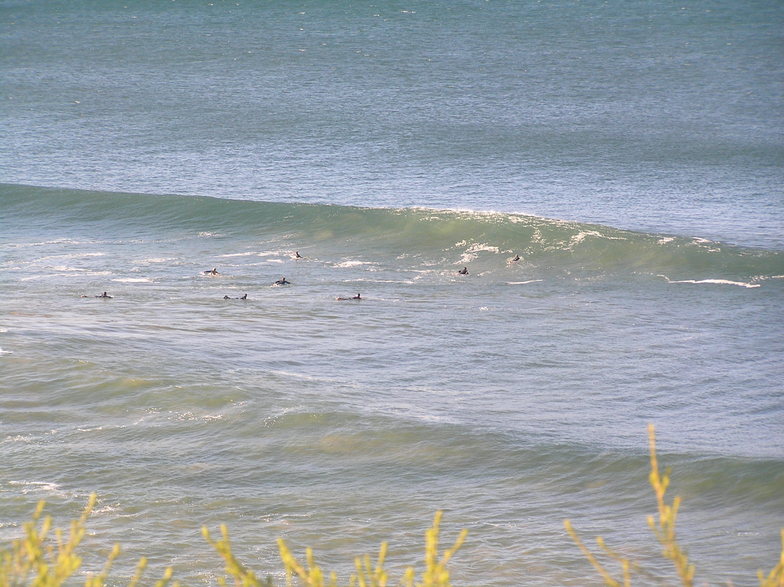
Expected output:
(104, 295)
(516, 258)
(282, 281)
(356, 297)
(463, 271)
(297, 255)
(213, 271)
(244, 297)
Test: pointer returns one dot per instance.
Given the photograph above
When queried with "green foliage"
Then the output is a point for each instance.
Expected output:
(368, 574)
(663, 528)
(38, 560)
(43, 557)
(234, 568)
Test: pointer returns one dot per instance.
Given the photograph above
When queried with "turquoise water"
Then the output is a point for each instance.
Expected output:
(628, 153)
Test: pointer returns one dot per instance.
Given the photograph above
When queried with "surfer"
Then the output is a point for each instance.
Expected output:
(213, 271)
(104, 295)
(463, 271)
(244, 297)
(297, 255)
(516, 258)
(356, 297)
(282, 281)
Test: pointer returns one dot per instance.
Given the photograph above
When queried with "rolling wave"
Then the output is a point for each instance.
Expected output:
(484, 239)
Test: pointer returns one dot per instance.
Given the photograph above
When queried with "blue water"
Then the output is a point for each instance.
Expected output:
(629, 153)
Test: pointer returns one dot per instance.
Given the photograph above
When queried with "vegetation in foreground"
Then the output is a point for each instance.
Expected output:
(43, 557)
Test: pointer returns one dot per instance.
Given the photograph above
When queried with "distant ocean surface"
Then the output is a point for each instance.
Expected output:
(608, 173)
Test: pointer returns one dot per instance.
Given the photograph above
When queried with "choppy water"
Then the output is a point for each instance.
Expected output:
(630, 155)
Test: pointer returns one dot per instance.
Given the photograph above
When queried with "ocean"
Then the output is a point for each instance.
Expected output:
(609, 174)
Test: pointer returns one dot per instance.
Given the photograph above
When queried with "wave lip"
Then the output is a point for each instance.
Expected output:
(419, 236)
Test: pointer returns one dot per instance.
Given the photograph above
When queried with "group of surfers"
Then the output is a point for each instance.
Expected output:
(284, 281)
(281, 281)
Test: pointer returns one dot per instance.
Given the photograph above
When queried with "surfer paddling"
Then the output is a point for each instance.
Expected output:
(213, 271)
(104, 295)
(463, 271)
(356, 297)
(244, 297)
(282, 281)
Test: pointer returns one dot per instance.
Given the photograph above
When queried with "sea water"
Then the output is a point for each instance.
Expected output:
(627, 154)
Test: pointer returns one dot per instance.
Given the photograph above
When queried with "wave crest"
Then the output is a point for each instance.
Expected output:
(422, 236)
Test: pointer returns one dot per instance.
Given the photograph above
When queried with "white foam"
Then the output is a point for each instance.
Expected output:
(712, 282)
(191, 417)
(74, 273)
(472, 252)
(581, 236)
(69, 256)
(523, 282)
(62, 241)
(705, 243)
(37, 487)
(67, 269)
(479, 247)
(300, 376)
(247, 254)
(133, 280)
(91, 429)
(106, 509)
(345, 264)
(19, 438)
(34, 277)
(158, 260)
(269, 253)
(368, 280)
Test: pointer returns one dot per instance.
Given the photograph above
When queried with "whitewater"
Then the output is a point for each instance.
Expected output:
(608, 174)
